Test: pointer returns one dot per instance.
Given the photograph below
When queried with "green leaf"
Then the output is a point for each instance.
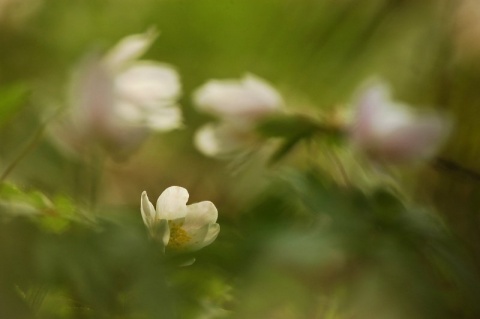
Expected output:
(289, 126)
(52, 216)
(294, 129)
(9, 190)
(64, 206)
(283, 150)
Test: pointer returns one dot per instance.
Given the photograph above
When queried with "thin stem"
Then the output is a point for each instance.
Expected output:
(28, 148)
(441, 163)
(36, 296)
(95, 177)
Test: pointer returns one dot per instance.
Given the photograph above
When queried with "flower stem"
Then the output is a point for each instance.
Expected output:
(31, 145)
(28, 148)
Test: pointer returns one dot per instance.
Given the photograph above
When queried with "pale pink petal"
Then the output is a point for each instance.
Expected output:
(417, 141)
(393, 131)
(92, 98)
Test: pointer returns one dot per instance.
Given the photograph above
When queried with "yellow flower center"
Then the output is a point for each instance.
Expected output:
(178, 236)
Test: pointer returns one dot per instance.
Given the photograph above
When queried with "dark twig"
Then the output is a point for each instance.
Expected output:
(449, 165)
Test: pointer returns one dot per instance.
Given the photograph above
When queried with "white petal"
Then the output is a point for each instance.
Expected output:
(248, 99)
(148, 211)
(207, 238)
(221, 140)
(200, 214)
(207, 141)
(265, 93)
(129, 49)
(165, 119)
(172, 203)
(162, 119)
(197, 237)
(161, 231)
(148, 84)
(212, 234)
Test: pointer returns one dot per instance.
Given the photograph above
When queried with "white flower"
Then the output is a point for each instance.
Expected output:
(239, 105)
(394, 132)
(117, 99)
(177, 225)
(145, 91)
(248, 99)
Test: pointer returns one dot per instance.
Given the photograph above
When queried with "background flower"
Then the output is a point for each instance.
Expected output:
(239, 105)
(116, 100)
(145, 91)
(393, 131)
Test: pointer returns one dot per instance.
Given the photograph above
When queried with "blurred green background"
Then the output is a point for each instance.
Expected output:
(293, 242)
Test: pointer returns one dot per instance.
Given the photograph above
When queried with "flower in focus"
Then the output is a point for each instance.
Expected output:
(179, 226)
(117, 99)
(239, 105)
(391, 131)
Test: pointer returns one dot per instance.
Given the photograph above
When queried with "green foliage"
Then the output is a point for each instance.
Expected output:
(294, 241)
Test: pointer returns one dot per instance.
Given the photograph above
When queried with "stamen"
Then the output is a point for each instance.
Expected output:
(178, 236)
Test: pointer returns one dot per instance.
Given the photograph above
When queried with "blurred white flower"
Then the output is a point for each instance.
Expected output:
(239, 105)
(247, 99)
(391, 131)
(223, 138)
(145, 91)
(117, 99)
(177, 225)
